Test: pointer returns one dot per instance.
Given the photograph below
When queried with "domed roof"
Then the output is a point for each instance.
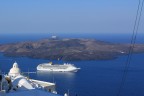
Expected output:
(14, 71)
(15, 65)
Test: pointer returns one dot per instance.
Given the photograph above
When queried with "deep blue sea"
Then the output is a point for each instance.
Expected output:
(96, 78)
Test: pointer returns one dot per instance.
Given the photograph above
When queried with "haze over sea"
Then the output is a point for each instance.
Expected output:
(114, 38)
(96, 78)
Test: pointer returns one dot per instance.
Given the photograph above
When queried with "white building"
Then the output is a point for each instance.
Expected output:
(14, 71)
(16, 84)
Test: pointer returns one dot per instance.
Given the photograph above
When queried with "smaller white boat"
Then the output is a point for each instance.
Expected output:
(66, 67)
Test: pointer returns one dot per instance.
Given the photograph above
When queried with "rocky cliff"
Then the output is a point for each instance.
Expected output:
(68, 49)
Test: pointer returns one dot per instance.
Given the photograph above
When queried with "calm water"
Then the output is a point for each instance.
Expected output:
(96, 78)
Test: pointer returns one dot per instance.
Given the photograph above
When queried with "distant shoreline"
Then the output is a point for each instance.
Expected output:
(114, 38)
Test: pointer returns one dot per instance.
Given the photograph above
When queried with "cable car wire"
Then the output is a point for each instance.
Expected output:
(132, 44)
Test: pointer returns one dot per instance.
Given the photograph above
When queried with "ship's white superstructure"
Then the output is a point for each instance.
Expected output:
(57, 67)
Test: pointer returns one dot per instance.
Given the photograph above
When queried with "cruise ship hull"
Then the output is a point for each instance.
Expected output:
(57, 68)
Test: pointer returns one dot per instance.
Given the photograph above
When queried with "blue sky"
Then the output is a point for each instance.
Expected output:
(68, 16)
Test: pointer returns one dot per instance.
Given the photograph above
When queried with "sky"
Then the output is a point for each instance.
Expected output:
(68, 16)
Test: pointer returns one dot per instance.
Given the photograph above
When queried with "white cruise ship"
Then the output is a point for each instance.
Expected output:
(57, 67)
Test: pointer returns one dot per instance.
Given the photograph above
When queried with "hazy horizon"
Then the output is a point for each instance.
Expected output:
(64, 17)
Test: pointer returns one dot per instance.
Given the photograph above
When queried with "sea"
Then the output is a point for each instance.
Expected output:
(95, 78)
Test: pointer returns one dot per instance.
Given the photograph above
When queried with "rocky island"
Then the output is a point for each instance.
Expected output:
(68, 49)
